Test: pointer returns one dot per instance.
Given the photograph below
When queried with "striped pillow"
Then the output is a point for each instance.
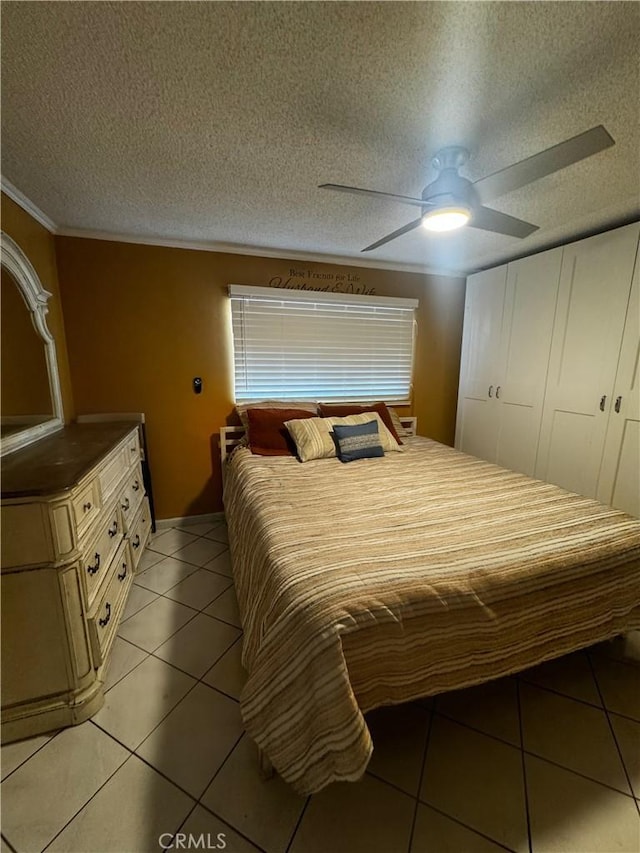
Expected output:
(360, 441)
(314, 440)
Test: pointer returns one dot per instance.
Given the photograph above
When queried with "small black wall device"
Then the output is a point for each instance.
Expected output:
(197, 385)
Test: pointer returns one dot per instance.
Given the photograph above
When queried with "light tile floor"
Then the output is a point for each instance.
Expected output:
(545, 761)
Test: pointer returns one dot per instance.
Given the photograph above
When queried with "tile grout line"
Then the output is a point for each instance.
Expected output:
(179, 669)
(95, 793)
(421, 777)
(10, 846)
(222, 820)
(190, 606)
(298, 822)
(187, 816)
(613, 734)
(465, 825)
(524, 766)
(535, 754)
(197, 800)
(522, 677)
(33, 754)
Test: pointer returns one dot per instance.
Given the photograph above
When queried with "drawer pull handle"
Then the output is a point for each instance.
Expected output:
(491, 390)
(136, 486)
(93, 569)
(125, 505)
(86, 507)
(498, 392)
(136, 541)
(124, 572)
(618, 404)
(104, 622)
(603, 400)
(113, 529)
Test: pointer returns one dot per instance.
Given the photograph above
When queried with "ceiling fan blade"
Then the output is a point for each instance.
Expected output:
(404, 199)
(492, 220)
(545, 163)
(404, 230)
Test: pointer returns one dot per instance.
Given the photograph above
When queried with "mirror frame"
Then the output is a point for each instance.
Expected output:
(36, 298)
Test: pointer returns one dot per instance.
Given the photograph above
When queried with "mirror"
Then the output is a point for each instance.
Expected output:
(30, 398)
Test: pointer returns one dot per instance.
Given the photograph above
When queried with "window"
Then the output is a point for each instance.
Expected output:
(321, 346)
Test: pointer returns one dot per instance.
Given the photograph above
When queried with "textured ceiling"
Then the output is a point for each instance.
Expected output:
(214, 123)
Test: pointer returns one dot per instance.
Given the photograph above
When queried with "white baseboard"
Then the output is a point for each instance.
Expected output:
(185, 521)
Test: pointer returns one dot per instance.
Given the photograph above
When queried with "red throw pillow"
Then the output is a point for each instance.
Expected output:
(267, 434)
(343, 410)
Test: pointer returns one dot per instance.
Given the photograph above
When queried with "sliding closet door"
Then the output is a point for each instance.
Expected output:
(594, 292)
(530, 305)
(619, 483)
(477, 421)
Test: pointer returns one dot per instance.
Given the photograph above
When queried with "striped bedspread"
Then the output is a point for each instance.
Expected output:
(383, 580)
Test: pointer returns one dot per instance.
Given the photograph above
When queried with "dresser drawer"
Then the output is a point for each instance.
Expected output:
(112, 474)
(104, 618)
(131, 497)
(98, 554)
(132, 451)
(140, 529)
(86, 505)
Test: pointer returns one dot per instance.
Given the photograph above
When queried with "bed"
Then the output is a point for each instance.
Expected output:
(405, 576)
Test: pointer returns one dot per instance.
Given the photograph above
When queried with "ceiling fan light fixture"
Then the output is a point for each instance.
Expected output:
(446, 218)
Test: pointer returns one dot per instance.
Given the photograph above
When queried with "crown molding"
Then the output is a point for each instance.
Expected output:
(223, 248)
(256, 251)
(26, 204)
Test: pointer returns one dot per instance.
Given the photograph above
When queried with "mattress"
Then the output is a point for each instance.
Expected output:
(383, 580)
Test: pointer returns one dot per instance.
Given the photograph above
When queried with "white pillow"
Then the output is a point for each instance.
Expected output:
(314, 440)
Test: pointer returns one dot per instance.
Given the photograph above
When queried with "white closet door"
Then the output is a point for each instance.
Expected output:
(530, 305)
(619, 483)
(594, 291)
(477, 421)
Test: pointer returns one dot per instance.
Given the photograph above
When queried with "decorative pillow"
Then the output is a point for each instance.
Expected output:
(400, 430)
(360, 441)
(302, 405)
(313, 435)
(267, 433)
(341, 410)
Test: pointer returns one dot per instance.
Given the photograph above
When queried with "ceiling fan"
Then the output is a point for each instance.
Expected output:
(452, 201)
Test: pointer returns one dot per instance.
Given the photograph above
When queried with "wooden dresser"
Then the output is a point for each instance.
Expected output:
(75, 520)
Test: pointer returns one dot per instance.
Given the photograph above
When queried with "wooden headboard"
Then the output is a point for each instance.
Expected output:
(230, 436)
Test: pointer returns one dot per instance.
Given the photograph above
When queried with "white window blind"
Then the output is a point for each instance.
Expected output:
(293, 345)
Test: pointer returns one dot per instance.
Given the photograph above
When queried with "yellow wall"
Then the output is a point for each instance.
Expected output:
(39, 246)
(25, 378)
(142, 321)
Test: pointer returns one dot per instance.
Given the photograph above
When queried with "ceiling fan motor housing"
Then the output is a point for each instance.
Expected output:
(450, 188)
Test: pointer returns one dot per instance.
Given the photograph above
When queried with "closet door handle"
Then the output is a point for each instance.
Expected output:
(603, 400)
(498, 392)
(491, 390)
(617, 404)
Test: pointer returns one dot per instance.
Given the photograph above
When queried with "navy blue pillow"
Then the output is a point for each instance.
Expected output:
(357, 442)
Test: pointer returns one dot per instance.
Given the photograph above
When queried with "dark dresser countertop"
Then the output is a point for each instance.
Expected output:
(59, 461)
